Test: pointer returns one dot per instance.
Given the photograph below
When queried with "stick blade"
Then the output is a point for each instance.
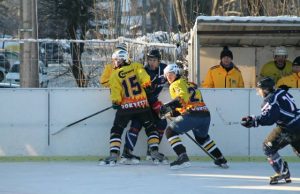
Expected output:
(58, 131)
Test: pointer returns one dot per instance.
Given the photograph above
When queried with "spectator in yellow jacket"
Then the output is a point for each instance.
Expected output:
(292, 81)
(224, 75)
(279, 67)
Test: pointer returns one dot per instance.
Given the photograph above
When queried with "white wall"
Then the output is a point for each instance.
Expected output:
(30, 116)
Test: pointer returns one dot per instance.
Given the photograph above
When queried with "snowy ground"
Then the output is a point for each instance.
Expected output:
(88, 178)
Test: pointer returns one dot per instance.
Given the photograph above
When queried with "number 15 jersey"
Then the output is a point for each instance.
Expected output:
(127, 85)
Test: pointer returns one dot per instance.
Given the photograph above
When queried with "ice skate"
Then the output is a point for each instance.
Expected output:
(148, 156)
(164, 160)
(156, 157)
(221, 162)
(128, 158)
(109, 161)
(182, 161)
(278, 177)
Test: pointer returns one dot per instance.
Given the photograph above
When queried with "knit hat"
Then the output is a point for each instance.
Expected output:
(226, 53)
(296, 61)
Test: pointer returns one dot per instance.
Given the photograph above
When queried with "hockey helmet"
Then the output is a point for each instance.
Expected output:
(266, 83)
(296, 61)
(122, 46)
(120, 55)
(280, 51)
(172, 68)
(154, 53)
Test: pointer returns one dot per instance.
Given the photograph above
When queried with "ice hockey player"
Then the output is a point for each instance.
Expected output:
(108, 68)
(278, 107)
(190, 113)
(128, 86)
(155, 69)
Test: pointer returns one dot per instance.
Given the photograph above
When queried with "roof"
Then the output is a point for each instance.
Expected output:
(248, 31)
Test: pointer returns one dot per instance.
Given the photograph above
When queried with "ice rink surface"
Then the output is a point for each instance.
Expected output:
(70, 177)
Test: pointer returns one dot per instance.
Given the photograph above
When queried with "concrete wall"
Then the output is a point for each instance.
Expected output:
(30, 116)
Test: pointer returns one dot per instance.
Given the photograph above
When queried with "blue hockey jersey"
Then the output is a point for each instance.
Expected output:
(279, 107)
(157, 81)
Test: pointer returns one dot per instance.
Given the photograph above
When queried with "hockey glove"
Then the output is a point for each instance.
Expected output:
(169, 107)
(176, 103)
(156, 106)
(164, 110)
(249, 121)
(116, 106)
(175, 113)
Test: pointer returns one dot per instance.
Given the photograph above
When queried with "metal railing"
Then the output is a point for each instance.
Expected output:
(56, 63)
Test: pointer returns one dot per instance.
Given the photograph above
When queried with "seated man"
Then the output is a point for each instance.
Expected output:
(278, 67)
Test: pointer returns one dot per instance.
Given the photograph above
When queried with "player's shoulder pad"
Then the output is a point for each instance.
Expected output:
(137, 64)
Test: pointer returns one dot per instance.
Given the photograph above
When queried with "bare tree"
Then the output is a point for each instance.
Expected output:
(255, 7)
(70, 18)
(180, 15)
(9, 17)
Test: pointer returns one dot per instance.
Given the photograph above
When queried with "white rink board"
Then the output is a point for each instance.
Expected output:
(24, 122)
(30, 116)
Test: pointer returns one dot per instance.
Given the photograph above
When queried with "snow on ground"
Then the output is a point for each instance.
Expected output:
(87, 178)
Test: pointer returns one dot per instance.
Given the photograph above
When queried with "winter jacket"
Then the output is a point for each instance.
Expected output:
(218, 77)
(292, 81)
(270, 70)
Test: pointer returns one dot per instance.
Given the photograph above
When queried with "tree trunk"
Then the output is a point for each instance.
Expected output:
(180, 14)
(118, 18)
(76, 51)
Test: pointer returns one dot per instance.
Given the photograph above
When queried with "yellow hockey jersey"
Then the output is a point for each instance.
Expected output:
(292, 81)
(108, 69)
(218, 77)
(270, 70)
(104, 78)
(189, 95)
(127, 85)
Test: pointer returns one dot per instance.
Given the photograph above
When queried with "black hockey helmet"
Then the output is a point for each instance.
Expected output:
(154, 53)
(296, 61)
(266, 83)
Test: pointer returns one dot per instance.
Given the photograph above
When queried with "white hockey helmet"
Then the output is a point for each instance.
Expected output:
(122, 46)
(120, 54)
(172, 68)
(280, 51)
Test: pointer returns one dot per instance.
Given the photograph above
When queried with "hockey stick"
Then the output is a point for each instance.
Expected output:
(198, 144)
(223, 119)
(71, 124)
